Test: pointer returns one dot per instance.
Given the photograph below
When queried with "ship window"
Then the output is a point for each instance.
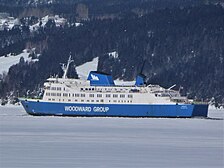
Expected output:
(122, 96)
(87, 100)
(99, 95)
(82, 95)
(92, 88)
(76, 100)
(86, 89)
(73, 95)
(107, 95)
(48, 94)
(69, 95)
(53, 88)
(58, 88)
(92, 100)
(81, 88)
(65, 94)
(58, 94)
(101, 100)
(82, 100)
(115, 101)
(76, 95)
(91, 95)
(115, 95)
(130, 96)
(49, 99)
(53, 99)
(69, 100)
(53, 94)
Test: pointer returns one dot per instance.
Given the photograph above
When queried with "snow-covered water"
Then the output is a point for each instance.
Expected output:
(29, 141)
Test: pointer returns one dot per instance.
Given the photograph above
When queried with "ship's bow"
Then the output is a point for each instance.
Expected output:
(200, 110)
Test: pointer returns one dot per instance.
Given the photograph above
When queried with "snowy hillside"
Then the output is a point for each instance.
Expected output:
(84, 69)
(59, 21)
(7, 62)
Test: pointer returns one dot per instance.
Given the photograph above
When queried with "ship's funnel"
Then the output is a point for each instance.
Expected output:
(140, 80)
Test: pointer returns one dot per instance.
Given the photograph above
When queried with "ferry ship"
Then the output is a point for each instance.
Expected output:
(100, 96)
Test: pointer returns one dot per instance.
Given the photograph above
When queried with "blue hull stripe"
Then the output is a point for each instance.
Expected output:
(119, 110)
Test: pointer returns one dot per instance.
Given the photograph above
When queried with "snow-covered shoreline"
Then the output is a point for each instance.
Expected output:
(46, 141)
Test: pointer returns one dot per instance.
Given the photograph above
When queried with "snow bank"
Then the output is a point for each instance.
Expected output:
(59, 21)
(7, 62)
(84, 69)
(31, 141)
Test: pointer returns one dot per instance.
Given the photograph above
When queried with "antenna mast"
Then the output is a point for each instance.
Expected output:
(65, 67)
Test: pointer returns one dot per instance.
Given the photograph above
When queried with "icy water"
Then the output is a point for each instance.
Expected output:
(28, 141)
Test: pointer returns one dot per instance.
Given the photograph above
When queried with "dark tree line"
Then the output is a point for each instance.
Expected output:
(182, 46)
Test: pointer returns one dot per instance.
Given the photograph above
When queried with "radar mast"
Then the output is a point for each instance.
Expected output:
(65, 67)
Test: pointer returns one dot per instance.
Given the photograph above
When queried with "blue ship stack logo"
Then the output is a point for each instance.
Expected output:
(94, 77)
